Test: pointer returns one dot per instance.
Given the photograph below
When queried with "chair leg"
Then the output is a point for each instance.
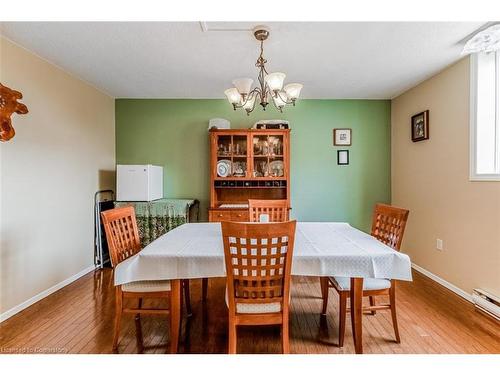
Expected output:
(372, 303)
(232, 338)
(204, 289)
(342, 317)
(285, 336)
(392, 300)
(175, 314)
(187, 297)
(118, 317)
(324, 293)
(138, 329)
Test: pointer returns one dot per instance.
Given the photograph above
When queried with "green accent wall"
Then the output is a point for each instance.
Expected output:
(173, 133)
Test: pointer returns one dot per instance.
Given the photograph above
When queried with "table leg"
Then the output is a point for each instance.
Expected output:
(175, 314)
(356, 298)
(204, 289)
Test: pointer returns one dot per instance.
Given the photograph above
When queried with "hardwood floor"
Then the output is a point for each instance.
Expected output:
(79, 319)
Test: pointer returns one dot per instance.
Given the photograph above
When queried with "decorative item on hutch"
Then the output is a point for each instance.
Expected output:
(271, 124)
(247, 164)
(218, 123)
(270, 85)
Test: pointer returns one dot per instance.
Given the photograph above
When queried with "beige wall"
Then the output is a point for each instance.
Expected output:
(431, 178)
(49, 173)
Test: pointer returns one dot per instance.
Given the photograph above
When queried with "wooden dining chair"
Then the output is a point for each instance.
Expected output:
(388, 226)
(258, 261)
(123, 242)
(277, 209)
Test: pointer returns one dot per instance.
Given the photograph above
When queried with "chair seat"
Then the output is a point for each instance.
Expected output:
(147, 286)
(344, 283)
(256, 308)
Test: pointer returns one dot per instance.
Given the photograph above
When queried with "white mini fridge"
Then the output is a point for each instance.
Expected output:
(139, 182)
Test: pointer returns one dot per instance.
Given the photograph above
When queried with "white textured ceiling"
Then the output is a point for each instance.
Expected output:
(182, 60)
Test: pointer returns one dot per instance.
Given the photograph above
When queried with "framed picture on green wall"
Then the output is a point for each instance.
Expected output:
(342, 137)
(343, 157)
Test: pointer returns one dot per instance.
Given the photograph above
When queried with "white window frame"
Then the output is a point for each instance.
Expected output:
(473, 175)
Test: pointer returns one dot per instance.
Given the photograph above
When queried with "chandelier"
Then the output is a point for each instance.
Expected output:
(270, 85)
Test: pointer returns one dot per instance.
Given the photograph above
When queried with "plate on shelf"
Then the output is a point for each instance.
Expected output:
(276, 168)
(224, 168)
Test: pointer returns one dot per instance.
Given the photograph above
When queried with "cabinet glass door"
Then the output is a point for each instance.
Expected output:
(231, 156)
(268, 156)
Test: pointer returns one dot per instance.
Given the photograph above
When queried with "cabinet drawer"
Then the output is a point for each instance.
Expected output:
(240, 216)
(215, 216)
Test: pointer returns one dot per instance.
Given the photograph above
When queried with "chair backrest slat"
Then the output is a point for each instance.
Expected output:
(277, 209)
(388, 224)
(122, 233)
(258, 261)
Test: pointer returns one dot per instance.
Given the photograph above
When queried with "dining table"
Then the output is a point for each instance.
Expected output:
(195, 250)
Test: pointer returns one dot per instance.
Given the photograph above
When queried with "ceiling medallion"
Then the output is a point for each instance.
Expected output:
(270, 85)
(486, 41)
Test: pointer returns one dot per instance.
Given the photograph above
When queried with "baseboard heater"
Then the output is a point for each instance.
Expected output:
(487, 303)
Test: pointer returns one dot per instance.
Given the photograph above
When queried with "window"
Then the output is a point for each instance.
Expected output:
(485, 116)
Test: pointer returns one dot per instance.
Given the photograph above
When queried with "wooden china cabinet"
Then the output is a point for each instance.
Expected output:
(247, 164)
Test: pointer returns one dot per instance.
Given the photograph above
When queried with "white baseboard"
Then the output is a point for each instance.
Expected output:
(444, 283)
(6, 315)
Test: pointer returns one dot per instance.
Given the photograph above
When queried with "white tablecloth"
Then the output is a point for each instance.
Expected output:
(195, 250)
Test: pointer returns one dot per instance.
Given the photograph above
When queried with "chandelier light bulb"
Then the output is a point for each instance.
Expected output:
(293, 90)
(275, 81)
(248, 106)
(279, 100)
(233, 95)
(243, 85)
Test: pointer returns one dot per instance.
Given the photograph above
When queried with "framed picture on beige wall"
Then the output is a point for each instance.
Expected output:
(420, 126)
